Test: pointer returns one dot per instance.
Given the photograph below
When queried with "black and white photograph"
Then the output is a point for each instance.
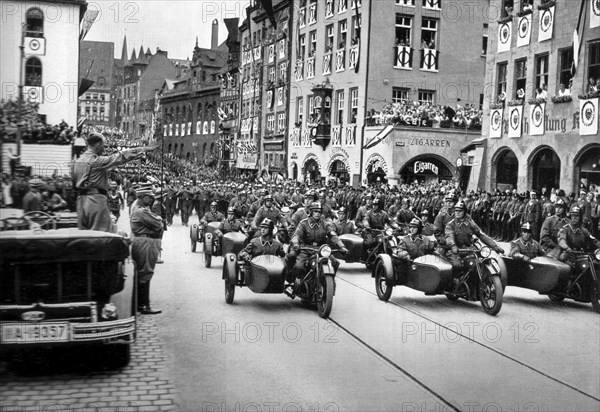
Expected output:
(300, 205)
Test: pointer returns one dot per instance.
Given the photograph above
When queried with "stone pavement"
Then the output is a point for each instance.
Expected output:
(144, 385)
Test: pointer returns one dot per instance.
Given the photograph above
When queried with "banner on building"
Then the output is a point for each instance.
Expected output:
(594, 13)
(546, 25)
(515, 120)
(496, 123)
(536, 119)
(524, 32)
(504, 36)
(588, 117)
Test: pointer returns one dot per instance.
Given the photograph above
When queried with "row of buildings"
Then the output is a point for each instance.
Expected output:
(496, 94)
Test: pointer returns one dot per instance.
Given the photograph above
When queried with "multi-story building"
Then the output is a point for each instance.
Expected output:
(190, 101)
(96, 63)
(541, 114)
(354, 58)
(49, 66)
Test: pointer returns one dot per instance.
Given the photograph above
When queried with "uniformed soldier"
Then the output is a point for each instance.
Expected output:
(229, 224)
(186, 203)
(342, 224)
(525, 248)
(52, 201)
(377, 218)
(212, 215)
(270, 211)
(265, 244)
(415, 244)
(115, 201)
(241, 206)
(363, 210)
(574, 237)
(428, 228)
(32, 201)
(551, 227)
(533, 214)
(303, 212)
(459, 234)
(441, 220)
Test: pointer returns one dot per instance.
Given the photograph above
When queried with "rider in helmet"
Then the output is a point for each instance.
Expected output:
(445, 215)
(552, 225)
(574, 237)
(415, 244)
(265, 244)
(342, 224)
(428, 228)
(363, 210)
(269, 210)
(525, 248)
(303, 212)
(230, 224)
(459, 234)
(313, 232)
(212, 215)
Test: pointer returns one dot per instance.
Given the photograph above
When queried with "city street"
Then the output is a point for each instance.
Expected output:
(268, 352)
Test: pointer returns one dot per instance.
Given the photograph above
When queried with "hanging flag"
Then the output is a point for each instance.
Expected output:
(524, 30)
(504, 36)
(496, 120)
(546, 24)
(594, 13)
(588, 117)
(88, 20)
(357, 64)
(378, 138)
(536, 119)
(515, 119)
(577, 36)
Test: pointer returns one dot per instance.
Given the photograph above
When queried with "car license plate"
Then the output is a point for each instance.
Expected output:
(34, 332)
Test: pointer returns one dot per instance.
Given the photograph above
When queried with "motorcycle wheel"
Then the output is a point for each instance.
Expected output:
(325, 297)
(555, 298)
(490, 294)
(595, 296)
(207, 260)
(384, 291)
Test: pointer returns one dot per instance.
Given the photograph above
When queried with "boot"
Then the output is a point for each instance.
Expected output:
(145, 308)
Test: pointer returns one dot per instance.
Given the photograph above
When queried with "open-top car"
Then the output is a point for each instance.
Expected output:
(66, 287)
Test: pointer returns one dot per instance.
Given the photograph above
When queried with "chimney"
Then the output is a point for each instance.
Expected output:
(215, 35)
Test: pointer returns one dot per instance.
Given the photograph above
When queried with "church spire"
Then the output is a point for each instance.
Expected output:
(124, 51)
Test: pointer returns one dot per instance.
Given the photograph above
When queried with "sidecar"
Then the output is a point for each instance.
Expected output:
(431, 274)
(232, 242)
(542, 274)
(263, 274)
(354, 244)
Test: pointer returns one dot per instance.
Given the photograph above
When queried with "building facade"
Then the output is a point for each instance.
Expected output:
(355, 61)
(540, 132)
(49, 68)
(96, 63)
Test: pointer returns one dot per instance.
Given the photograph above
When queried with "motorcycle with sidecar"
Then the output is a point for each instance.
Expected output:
(550, 276)
(232, 242)
(267, 274)
(385, 242)
(482, 278)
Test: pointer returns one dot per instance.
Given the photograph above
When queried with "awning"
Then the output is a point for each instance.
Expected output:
(379, 137)
(475, 143)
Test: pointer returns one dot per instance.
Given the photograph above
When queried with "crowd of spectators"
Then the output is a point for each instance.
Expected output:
(414, 113)
(33, 128)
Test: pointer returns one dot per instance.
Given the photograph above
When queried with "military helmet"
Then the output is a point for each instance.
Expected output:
(461, 206)
(575, 210)
(416, 222)
(342, 210)
(213, 204)
(560, 203)
(378, 201)
(268, 197)
(267, 223)
(230, 209)
(314, 206)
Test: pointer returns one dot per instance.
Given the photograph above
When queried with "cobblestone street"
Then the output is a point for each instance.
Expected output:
(144, 385)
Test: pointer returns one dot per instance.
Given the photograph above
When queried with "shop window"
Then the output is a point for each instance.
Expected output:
(340, 107)
(403, 30)
(566, 64)
(33, 72)
(34, 26)
(399, 95)
(428, 33)
(520, 79)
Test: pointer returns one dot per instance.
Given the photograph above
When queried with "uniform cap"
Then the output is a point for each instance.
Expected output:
(230, 210)
(416, 222)
(36, 183)
(342, 210)
(526, 227)
(460, 205)
(575, 210)
(425, 212)
(560, 203)
(144, 189)
(316, 206)
(213, 204)
(267, 223)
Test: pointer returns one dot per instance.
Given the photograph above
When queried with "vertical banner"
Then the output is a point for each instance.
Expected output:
(546, 25)
(536, 119)
(588, 117)
(524, 31)
(504, 36)
(595, 13)
(496, 116)
(515, 119)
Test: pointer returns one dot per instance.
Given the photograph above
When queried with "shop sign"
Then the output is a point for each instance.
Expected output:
(429, 142)
(422, 167)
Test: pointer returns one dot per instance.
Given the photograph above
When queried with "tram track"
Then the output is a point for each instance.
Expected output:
(441, 325)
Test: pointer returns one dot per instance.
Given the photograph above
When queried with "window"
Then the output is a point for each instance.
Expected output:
(281, 122)
(594, 61)
(541, 71)
(403, 30)
(102, 113)
(353, 105)
(33, 72)
(313, 43)
(283, 71)
(484, 43)
(410, 3)
(34, 26)
(311, 108)
(342, 31)
(270, 123)
(299, 110)
(355, 27)
(566, 63)
(340, 107)
(432, 4)
(302, 15)
(507, 8)
(526, 5)
(426, 96)
(272, 74)
(329, 38)
(520, 78)
(312, 12)
(428, 33)
(329, 8)
(343, 6)
(302, 46)
(501, 80)
(399, 95)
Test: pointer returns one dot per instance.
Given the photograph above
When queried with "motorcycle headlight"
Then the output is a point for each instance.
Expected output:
(597, 254)
(485, 252)
(389, 231)
(325, 251)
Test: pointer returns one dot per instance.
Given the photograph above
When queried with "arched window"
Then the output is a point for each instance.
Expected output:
(34, 26)
(33, 72)
(212, 148)
(204, 151)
